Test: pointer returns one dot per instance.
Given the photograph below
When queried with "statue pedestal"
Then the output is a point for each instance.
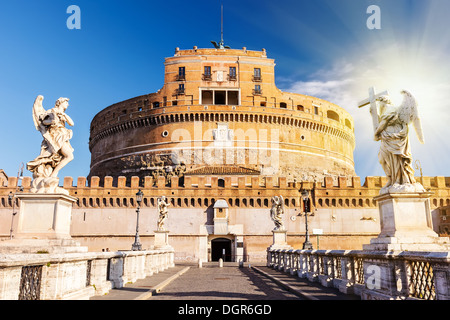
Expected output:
(279, 240)
(279, 243)
(406, 224)
(162, 240)
(162, 243)
(43, 225)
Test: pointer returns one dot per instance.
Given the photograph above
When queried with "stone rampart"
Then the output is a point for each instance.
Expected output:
(238, 191)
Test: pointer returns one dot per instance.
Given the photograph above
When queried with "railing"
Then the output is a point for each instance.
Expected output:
(207, 77)
(78, 275)
(181, 77)
(370, 274)
(256, 78)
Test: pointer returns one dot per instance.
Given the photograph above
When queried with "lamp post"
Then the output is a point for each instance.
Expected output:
(137, 244)
(12, 201)
(307, 245)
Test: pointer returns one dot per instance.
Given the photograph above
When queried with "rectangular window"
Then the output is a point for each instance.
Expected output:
(316, 110)
(181, 88)
(257, 89)
(257, 74)
(181, 73)
(207, 73)
(232, 74)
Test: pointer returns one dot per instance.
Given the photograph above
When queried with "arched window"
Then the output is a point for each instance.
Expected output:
(348, 123)
(332, 115)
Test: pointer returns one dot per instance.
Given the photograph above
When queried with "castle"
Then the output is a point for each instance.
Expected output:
(219, 140)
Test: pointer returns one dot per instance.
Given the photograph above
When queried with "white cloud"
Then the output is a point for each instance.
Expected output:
(346, 83)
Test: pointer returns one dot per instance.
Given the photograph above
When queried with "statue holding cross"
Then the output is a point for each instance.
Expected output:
(372, 100)
(391, 127)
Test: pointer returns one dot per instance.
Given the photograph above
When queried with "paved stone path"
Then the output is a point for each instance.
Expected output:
(188, 282)
(227, 283)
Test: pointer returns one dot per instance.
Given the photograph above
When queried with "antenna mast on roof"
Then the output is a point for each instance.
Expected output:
(221, 25)
(221, 43)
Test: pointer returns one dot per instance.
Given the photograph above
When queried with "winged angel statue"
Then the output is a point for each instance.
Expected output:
(395, 154)
(163, 212)
(56, 151)
(277, 211)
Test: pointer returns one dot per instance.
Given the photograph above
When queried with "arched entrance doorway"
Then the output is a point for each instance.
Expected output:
(221, 248)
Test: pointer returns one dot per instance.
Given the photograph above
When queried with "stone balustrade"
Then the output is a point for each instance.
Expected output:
(372, 275)
(76, 275)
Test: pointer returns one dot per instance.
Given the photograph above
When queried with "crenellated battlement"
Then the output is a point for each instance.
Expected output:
(240, 191)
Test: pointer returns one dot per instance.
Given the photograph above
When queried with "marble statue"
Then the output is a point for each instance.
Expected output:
(276, 212)
(163, 212)
(56, 151)
(393, 132)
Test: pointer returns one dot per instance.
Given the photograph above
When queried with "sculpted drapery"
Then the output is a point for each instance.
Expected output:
(56, 151)
(395, 154)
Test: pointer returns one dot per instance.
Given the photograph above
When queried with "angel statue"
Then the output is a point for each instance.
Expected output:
(277, 211)
(163, 212)
(56, 151)
(395, 155)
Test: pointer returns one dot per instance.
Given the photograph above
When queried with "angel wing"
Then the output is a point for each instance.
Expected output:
(38, 110)
(408, 113)
(282, 203)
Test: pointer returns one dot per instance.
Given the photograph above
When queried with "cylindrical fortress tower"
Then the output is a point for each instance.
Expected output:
(220, 113)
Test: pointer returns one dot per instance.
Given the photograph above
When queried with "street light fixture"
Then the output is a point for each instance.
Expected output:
(307, 245)
(137, 244)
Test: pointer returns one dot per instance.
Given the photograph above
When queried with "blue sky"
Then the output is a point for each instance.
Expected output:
(322, 48)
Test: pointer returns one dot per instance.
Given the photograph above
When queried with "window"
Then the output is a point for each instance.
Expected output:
(283, 105)
(332, 115)
(257, 89)
(348, 123)
(155, 105)
(207, 73)
(220, 97)
(257, 74)
(232, 74)
(180, 88)
(316, 110)
(300, 108)
(207, 97)
(181, 73)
